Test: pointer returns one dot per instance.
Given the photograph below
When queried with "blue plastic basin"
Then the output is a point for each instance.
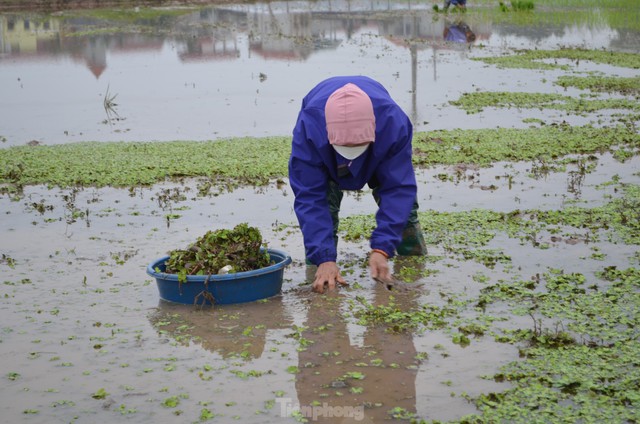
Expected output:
(236, 287)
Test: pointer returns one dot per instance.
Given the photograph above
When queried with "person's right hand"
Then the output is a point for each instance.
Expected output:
(379, 266)
(328, 274)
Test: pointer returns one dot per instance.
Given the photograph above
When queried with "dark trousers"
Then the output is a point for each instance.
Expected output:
(412, 243)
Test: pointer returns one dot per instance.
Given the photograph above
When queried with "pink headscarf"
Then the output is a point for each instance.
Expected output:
(351, 124)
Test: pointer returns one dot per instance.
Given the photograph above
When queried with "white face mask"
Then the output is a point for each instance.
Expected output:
(351, 152)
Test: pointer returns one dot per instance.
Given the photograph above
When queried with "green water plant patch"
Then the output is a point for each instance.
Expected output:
(484, 147)
(619, 14)
(251, 161)
(517, 6)
(541, 59)
(397, 318)
(579, 359)
(256, 161)
(475, 102)
(599, 83)
(465, 233)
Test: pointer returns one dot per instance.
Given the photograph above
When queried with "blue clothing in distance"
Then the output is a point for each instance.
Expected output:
(386, 164)
(456, 33)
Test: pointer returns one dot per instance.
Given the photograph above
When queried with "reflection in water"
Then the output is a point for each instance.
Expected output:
(418, 32)
(355, 382)
(275, 30)
(206, 64)
(232, 331)
(458, 32)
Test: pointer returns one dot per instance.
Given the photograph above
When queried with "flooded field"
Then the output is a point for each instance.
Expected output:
(526, 308)
(241, 70)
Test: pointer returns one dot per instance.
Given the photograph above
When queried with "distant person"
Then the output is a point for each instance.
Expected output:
(459, 4)
(459, 32)
(349, 133)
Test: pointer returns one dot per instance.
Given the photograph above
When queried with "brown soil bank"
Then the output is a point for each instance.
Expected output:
(58, 5)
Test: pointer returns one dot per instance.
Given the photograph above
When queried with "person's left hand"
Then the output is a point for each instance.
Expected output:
(379, 266)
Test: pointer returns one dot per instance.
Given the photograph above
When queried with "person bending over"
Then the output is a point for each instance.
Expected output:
(350, 132)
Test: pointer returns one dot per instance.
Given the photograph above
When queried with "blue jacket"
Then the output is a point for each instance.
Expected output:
(385, 164)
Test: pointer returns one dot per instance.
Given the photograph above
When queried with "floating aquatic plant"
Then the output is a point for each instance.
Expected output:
(256, 161)
(228, 163)
(630, 85)
(398, 319)
(533, 59)
(584, 369)
(475, 102)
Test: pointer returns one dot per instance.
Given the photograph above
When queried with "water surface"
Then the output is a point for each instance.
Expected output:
(79, 314)
(241, 70)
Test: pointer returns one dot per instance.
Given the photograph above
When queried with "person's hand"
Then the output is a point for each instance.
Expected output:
(328, 275)
(379, 266)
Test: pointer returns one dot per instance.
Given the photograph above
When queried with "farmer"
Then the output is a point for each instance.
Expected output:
(350, 133)
(460, 4)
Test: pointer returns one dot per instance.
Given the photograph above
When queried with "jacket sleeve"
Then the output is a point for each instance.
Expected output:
(397, 187)
(309, 181)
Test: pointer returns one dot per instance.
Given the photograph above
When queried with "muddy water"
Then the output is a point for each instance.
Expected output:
(85, 337)
(241, 70)
(79, 314)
